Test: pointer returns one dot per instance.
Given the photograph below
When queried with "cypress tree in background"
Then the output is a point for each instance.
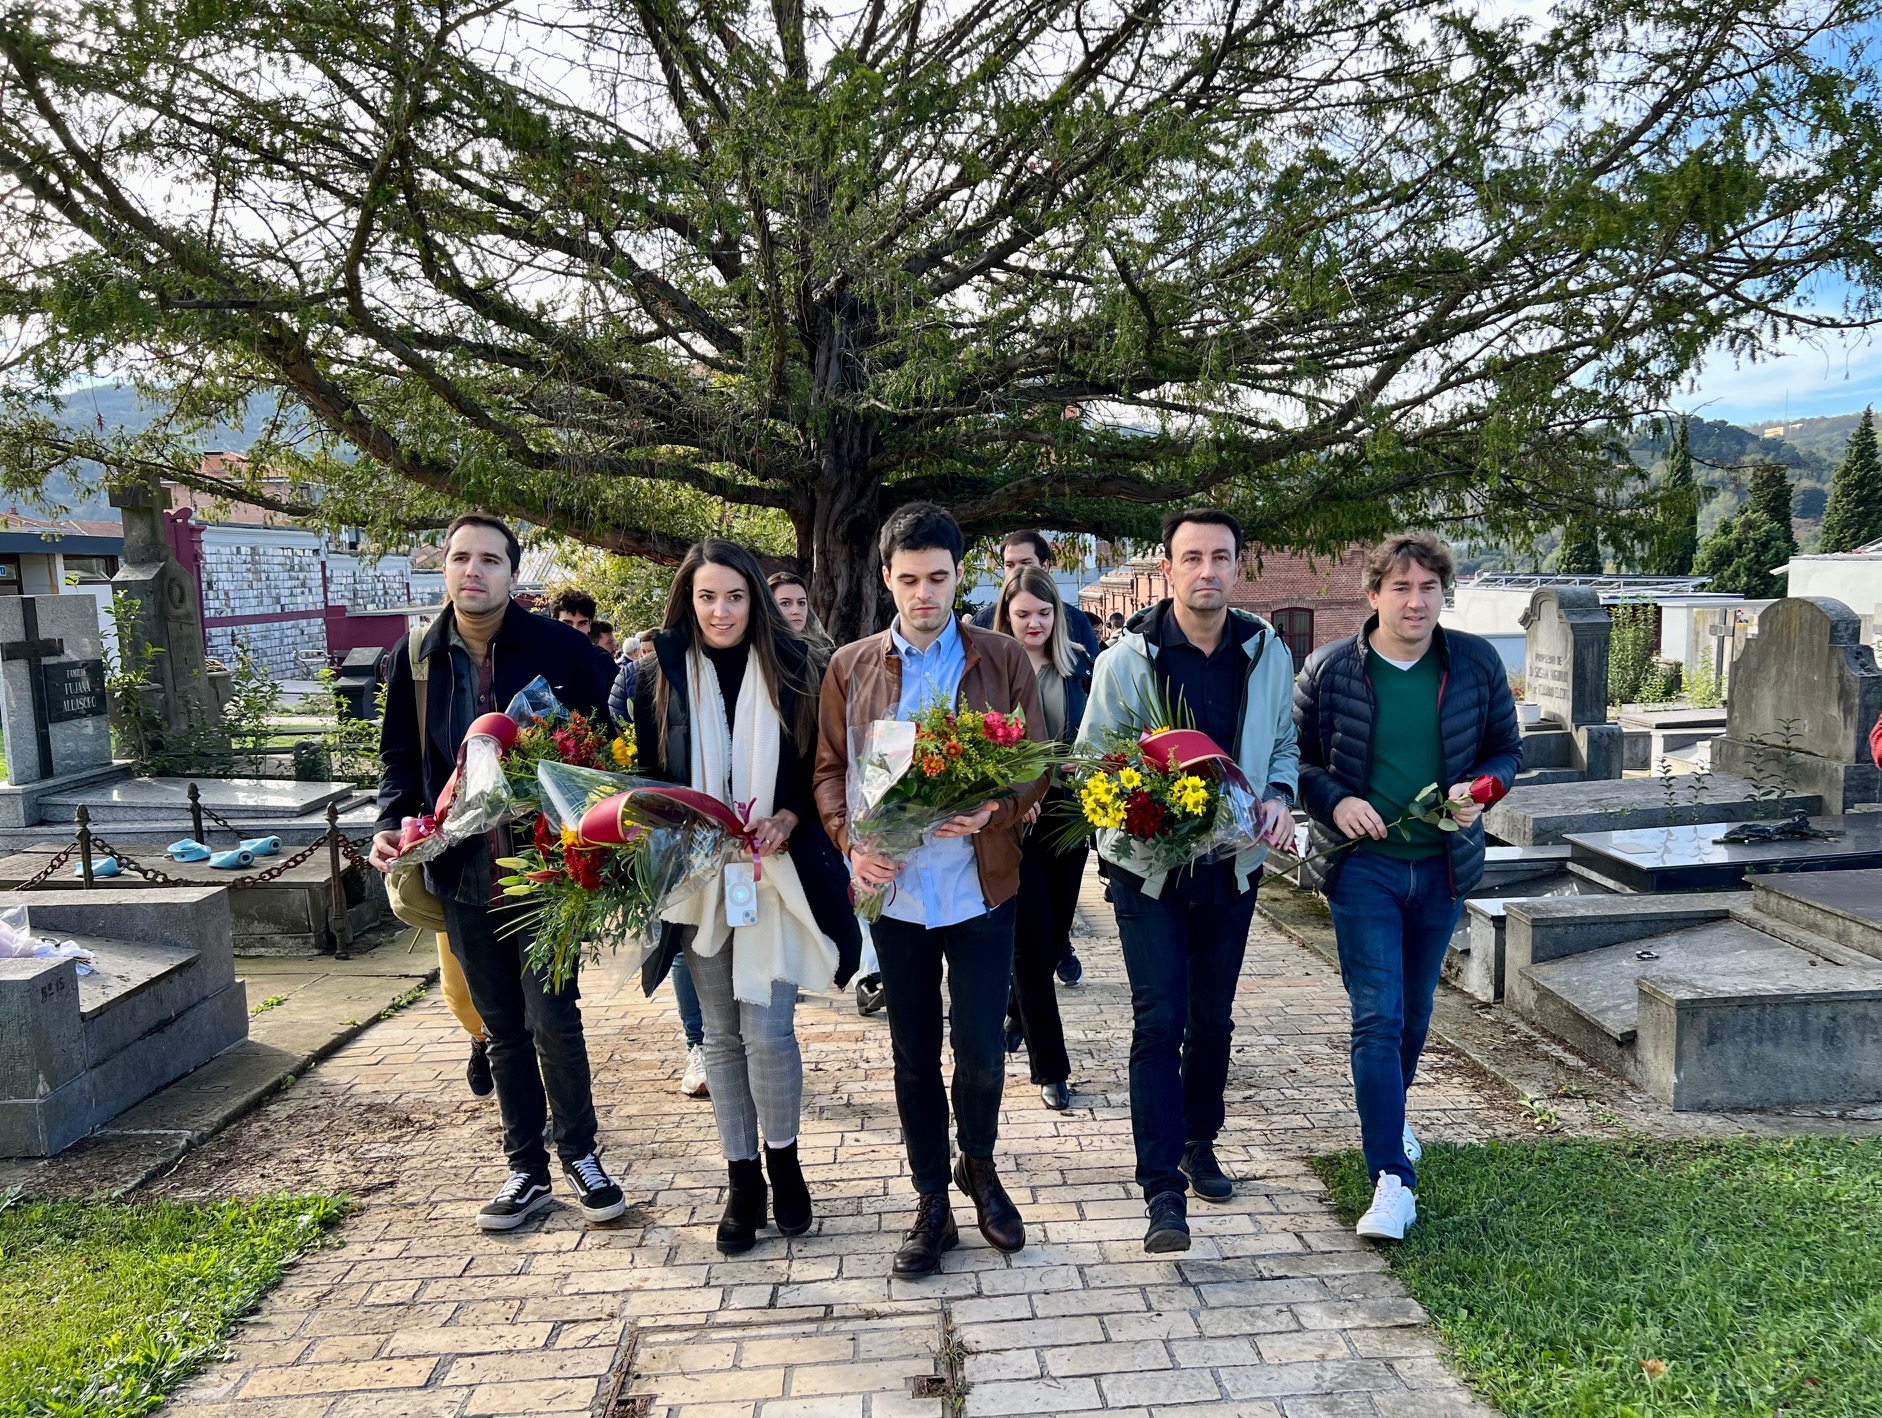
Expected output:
(1677, 541)
(1745, 552)
(1854, 515)
(1580, 552)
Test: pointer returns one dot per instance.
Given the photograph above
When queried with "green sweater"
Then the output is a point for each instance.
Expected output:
(1407, 755)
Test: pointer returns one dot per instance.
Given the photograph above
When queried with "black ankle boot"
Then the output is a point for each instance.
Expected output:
(744, 1208)
(790, 1198)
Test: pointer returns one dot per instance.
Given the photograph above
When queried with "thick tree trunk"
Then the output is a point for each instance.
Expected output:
(845, 576)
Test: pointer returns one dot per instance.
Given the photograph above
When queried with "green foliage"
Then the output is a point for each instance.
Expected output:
(629, 591)
(351, 744)
(806, 267)
(1634, 676)
(1703, 691)
(1676, 535)
(1645, 1279)
(1580, 552)
(107, 1306)
(132, 684)
(1744, 553)
(254, 703)
(1853, 517)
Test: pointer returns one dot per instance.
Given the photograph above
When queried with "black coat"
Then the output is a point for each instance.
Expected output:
(411, 778)
(1333, 711)
(820, 868)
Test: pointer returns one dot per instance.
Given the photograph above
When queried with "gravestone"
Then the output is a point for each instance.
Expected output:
(168, 616)
(1806, 690)
(52, 702)
(1566, 677)
(1692, 858)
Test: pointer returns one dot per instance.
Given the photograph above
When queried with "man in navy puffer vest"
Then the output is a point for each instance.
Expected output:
(1382, 717)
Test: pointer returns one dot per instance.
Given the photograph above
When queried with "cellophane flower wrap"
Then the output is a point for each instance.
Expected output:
(908, 776)
(496, 777)
(609, 852)
(1169, 797)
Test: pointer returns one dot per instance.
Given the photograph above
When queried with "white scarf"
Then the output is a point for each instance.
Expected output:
(786, 943)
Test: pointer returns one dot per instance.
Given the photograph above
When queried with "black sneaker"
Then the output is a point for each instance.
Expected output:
(870, 995)
(477, 1071)
(1070, 972)
(1169, 1224)
(1206, 1177)
(519, 1198)
(595, 1192)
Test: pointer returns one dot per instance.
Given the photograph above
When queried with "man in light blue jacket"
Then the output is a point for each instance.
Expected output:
(1226, 673)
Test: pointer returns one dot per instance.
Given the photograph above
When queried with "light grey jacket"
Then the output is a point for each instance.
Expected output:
(1124, 687)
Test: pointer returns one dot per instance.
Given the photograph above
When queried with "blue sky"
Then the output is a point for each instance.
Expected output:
(1829, 376)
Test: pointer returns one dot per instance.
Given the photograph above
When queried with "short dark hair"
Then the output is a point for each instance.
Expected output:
(1202, 517)
(1038, 540)
(1425, 548)
(921, 526)
(600, 628)
(574, 601)
(484, 519)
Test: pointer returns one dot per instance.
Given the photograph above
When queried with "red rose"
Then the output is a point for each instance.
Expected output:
(1143, 815)
(1486, 789)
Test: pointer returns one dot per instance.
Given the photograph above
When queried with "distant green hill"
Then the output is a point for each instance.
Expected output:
(109, 406)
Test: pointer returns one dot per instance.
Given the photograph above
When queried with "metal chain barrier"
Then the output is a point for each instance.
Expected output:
(220, 820)
(159, 877)
(59, 859)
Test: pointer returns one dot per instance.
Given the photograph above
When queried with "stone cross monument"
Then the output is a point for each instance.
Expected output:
(169, 617)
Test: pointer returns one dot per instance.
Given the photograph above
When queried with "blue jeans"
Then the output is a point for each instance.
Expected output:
(1183, 961)
(687, 998)
(979, 956)
(1393, 920)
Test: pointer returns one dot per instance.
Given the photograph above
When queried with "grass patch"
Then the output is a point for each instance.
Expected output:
(1636, 1279)
(106, 1306)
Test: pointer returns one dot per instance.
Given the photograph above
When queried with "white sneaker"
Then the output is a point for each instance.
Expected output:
(1392, 1212)
(1412, 1150)
(693, 1085)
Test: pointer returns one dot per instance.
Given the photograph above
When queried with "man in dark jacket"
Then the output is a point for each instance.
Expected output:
(1381, 717)
(480, 652)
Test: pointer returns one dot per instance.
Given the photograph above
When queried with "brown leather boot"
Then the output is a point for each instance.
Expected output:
(923, 1244)
(998, 1217)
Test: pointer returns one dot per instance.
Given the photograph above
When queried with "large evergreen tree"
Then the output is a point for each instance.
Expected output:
(1580, 552)
(634, 270)
(1854, 515)
(1747, 551)
(1676, 538)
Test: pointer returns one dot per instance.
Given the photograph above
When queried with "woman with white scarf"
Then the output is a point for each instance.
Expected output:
(730, 708)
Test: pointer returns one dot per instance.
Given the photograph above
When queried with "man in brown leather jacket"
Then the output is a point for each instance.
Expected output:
(952, 899)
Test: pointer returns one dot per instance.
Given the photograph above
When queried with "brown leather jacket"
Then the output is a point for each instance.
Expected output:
(864, 683)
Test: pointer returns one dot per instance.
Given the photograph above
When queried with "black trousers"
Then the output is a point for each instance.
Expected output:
(538, 1056)
(979, 956)
(1048, 899)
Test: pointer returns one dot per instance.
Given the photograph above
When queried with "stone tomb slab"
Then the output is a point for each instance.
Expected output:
(1843, 906)
(287, 916)
(75, 1051)
(1688, 858)
(1545, 815)
(142, 800)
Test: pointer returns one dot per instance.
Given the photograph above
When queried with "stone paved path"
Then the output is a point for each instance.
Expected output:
(1276, 1310)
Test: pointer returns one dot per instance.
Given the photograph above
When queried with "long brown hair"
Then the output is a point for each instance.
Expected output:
(1036, 581)
(765, 630)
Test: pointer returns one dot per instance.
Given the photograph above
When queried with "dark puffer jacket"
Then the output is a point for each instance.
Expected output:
(1333, 711)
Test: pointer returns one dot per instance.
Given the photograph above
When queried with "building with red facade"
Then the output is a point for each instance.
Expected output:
(1309, 600)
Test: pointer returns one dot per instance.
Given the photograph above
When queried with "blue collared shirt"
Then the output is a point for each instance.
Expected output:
(939, 884)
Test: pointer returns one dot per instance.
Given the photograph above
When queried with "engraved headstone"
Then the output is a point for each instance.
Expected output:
(1805, 692)
(52, 687)
(1566, 673)
(169, 614)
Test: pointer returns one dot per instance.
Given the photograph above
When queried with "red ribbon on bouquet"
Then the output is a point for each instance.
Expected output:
(618, 818)
(1188, 748)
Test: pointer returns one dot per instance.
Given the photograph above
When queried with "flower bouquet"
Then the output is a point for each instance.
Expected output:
(908, 776)
(1172, 793)
(1430, 806)
(608, 854)
(496, 773)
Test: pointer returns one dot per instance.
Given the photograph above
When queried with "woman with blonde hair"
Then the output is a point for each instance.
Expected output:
(1050, 872)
